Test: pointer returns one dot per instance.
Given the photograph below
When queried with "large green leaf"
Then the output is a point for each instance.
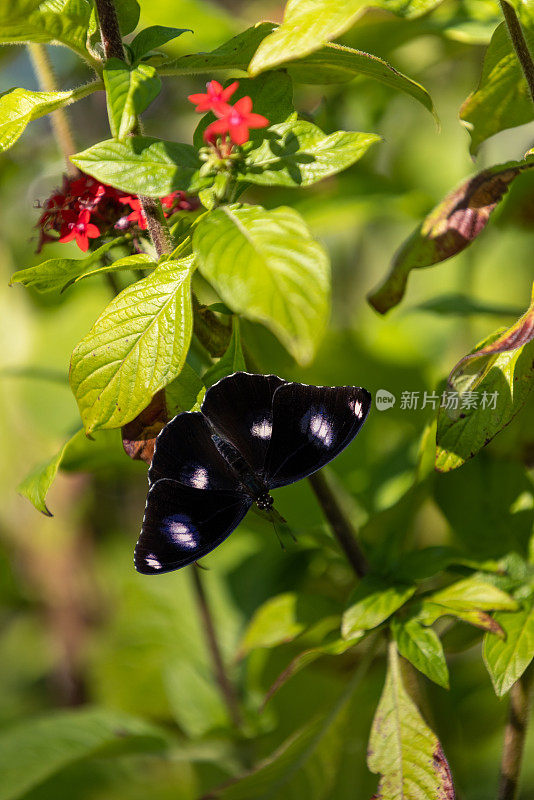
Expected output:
(331, 64)
(141, 165)
(18, 107)
(58, 273)
(502, 99)
(266, 266)
(471, 594)
(449, 228)
(33, 751)
(422, 647)
(56, 21)
(310, 24)
(129, 91)
(502, 388)
(298, 153)
(507, 659)
(136, 347)
(372, 602)
(403, 749)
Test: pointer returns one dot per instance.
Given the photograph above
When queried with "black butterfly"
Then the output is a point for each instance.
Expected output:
(253, 434)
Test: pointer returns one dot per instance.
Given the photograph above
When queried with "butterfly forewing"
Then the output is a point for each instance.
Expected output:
(311, 425)
(182, 524)
(239, 407)
(185, 452)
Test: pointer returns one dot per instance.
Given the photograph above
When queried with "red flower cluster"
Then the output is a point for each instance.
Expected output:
(233, 120)
(85, 209)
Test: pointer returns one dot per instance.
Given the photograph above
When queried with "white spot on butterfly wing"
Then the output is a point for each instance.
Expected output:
(152, 561)
(199, 479)
(357, 408)
(321, 429)
(181, 533)
(262, 429)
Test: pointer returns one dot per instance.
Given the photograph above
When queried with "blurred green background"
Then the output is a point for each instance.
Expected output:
(78, 624)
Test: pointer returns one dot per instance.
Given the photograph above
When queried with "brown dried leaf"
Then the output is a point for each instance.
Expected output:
(139, 435)
(448, 229)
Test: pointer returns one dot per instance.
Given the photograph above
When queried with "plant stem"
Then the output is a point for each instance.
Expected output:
(341, 525)
(60, 123)
(519, 44)
(226, 688)
(112, 43)
(515, 736)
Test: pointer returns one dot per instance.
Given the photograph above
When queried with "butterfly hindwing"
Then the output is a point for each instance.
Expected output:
(186, 453)
(240, 409)
(182, 524)
(311, 425)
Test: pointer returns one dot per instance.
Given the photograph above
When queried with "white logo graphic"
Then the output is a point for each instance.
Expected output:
(384, 400)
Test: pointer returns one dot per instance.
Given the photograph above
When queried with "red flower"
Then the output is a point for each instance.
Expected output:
(137, 217)
(216, 97)
(236, 121)
(76, 225)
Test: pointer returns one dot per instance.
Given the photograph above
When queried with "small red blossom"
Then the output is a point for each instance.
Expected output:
(236, 121)
(216, 98)
(136, 217)
(76, 225)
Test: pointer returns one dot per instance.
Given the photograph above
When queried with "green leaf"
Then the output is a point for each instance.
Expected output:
(472, 594)
(507, 659)
(266, 266)
(128, 263)
(141, 165)
(372, 602)
(184, 393)
(18, 107)
(403, 749)
(128, 12)
(35, 487)
(449, 228)
(195, 699)
(232, 361)
(153, 37)
(284, 617)
(136, 347)
(35, 750)
(63, 22)
(331, 64)
(422, 647)
(298, 153)
(502, 99)
(502, 387)
(310, 24)
(336, 63)
(58, 273)
(129, 91)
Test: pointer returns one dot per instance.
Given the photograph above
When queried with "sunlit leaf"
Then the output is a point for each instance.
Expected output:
(471, 594)
(266, 266)
(59, 22)
(403, 749)
(372, 602)
(502, 99)
(36, 485)
(18, 107)
(448, 229)
(129, 91)
(492, 394)
(141, 165)
(58, 273)
(507, 659)
(298, 153)
(310, 24)
(136, 347)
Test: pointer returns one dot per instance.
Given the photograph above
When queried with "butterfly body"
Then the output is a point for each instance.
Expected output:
(254, 433)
